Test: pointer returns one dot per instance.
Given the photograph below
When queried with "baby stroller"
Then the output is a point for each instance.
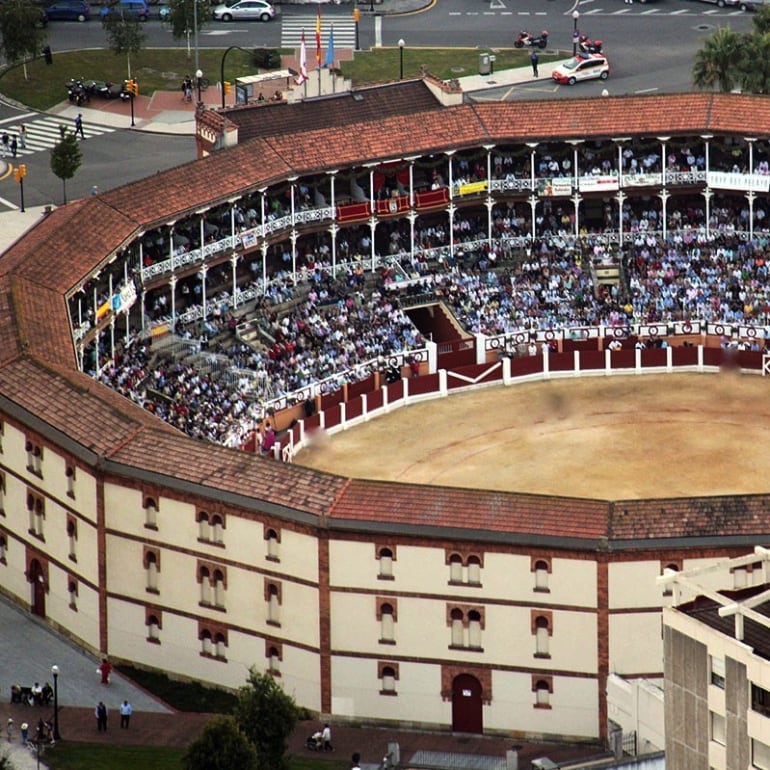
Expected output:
(314, 742)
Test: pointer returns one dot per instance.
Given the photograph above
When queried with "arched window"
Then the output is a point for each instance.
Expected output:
(204, 528)
(387, 623)
(541, 575)
(3, 549)
(455, 569)
(153, 628)
(273, 604)
(70, 474)
(72, 537)
(150, 513)
(542, 693)
(388, 679)
(542, 633)
(474, 629)
(219, 589)
(206, 643)
(220, 646)
(456, 618)
(385, 557)
(273, 545)
(152, 568)
(72, 590)
(2, 494)
(204, 578)
(274, 660)
(217, 528)
(474, 570)
(667, 589)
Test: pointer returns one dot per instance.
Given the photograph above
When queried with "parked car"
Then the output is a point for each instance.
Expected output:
(245, 10)
(726, 3)
(136, 8)
(584, 66)
(68, 10)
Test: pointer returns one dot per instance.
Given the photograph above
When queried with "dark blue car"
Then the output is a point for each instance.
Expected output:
(68, 10)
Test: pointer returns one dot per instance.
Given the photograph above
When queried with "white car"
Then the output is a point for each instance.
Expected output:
(584, 66)
(245, 10)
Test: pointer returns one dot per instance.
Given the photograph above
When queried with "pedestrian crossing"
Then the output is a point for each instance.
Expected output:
(43, 131)
(292, 28)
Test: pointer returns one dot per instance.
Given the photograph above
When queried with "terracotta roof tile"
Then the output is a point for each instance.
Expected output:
(448, 507)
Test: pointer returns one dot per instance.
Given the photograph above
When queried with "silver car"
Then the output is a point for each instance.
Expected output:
(245, 10)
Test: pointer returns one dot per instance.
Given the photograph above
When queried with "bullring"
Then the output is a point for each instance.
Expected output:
(370, 600)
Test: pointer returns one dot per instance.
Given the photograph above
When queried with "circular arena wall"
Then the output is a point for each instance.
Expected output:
(199, 560)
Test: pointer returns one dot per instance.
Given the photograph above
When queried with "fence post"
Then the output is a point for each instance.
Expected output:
(442, 382)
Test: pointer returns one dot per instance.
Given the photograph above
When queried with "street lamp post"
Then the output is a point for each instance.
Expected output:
(401, 45)
(199, 78)
(55, 672)
(575, 33)
(222, 70)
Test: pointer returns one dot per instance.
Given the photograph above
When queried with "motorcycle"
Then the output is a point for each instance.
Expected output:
(586, 45)
(79, 91)
(527, 39)
(108, 90)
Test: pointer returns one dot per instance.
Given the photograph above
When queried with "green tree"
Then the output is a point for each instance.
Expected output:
(220, 746)
(761, 19)
(66, 159)
(124, 35)
(183, 16)
(267, 716)
(719, 62)
(755, 75)
(21, 31)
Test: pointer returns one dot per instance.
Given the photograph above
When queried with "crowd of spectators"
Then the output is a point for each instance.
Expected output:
(317, 327)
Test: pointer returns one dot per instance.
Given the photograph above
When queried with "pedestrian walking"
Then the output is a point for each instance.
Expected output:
(24, 733)
(9, 730)
(79, 126)
(5, 141)
(101, 717)
(14, 146)
(326, 738)
(22, 136)
(534, 59)
(105, 669)
(125, 713)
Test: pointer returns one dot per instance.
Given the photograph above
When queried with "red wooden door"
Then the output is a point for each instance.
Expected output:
(37, 579)
(467, 705)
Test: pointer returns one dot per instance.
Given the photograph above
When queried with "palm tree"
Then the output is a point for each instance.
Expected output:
(755, 75)
(718, 63)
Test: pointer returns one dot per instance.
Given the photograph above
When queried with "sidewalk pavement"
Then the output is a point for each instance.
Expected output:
(166, 112)
(29, 648)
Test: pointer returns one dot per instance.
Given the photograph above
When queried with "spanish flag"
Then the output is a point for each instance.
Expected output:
(318, 38)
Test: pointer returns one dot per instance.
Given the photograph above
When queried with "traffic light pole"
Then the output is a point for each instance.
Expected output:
(18, 174)
(132, 109)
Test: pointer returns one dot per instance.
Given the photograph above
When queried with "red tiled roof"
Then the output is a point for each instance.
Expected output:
(37, 362)
(449, 507)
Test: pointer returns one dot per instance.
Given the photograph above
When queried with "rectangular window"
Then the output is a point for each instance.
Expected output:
(760, 700)
(718, 728)
(760, 755)
(718, 672)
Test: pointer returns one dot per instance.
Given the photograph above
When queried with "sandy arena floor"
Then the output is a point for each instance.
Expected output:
(609, 438)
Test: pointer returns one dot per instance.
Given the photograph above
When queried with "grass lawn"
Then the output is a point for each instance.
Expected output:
(86, 756)
(163, 69)
(183, 696)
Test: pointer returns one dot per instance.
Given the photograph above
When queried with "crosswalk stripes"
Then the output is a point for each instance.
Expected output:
(293, 26)
(43, 132)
